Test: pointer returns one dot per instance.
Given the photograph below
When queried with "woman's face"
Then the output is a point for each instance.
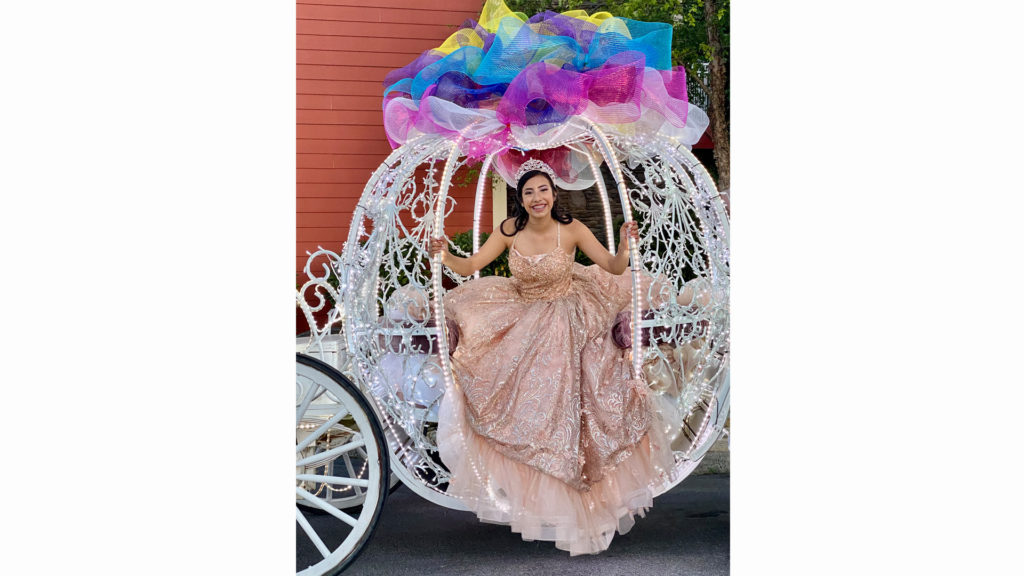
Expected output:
(538, 196)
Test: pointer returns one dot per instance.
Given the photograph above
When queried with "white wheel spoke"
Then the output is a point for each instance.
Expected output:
(312, 534)
(306, 401)
(321, 504)
(333, 480)
(352, 473)
(332, 453)
(323, 428)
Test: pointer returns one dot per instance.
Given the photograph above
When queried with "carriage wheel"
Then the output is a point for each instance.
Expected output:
(326, 431)
(350, 464)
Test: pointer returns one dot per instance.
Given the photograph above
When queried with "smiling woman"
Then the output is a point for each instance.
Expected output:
(539, 214)
(551, 434)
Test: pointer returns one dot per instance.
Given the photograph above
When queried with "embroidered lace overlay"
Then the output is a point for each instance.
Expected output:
(550, 433)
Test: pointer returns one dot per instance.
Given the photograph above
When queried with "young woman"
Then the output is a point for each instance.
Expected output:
(547, 430)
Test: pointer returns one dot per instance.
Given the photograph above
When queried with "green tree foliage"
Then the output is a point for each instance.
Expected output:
(464, 240)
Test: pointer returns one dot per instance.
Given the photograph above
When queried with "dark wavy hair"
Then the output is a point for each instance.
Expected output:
(520, 216)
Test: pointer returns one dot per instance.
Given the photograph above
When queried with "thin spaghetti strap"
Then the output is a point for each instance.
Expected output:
(558, 235)
(516, 235)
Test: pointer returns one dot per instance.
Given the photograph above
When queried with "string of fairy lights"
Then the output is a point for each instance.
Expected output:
(478, 205)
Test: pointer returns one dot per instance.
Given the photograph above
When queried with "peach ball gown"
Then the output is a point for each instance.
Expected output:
(547, 431)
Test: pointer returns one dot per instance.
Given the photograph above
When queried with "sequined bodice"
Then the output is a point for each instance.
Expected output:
(542, 276)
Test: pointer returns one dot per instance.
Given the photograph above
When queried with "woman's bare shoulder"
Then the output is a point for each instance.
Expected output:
(576, 228)
(507, 226)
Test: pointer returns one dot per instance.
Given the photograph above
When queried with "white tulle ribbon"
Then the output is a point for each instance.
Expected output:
(482, 132)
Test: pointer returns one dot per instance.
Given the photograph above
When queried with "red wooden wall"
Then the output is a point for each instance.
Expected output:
(344, 48)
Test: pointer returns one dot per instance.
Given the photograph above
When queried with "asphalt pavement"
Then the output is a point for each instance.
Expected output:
(686, 532)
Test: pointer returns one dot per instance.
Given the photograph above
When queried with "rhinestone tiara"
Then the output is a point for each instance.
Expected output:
(535, 164)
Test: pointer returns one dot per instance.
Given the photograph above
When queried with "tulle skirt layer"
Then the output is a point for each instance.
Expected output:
(539, 506)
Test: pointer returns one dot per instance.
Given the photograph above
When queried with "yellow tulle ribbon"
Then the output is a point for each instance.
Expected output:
(494, 11)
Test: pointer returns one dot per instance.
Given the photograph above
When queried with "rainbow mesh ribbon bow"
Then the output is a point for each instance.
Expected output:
(506, 75)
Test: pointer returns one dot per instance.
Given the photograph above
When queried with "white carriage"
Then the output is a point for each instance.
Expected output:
(369, 379)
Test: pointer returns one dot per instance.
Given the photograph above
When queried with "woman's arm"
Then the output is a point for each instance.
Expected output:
(495, 245)
(614, 263)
